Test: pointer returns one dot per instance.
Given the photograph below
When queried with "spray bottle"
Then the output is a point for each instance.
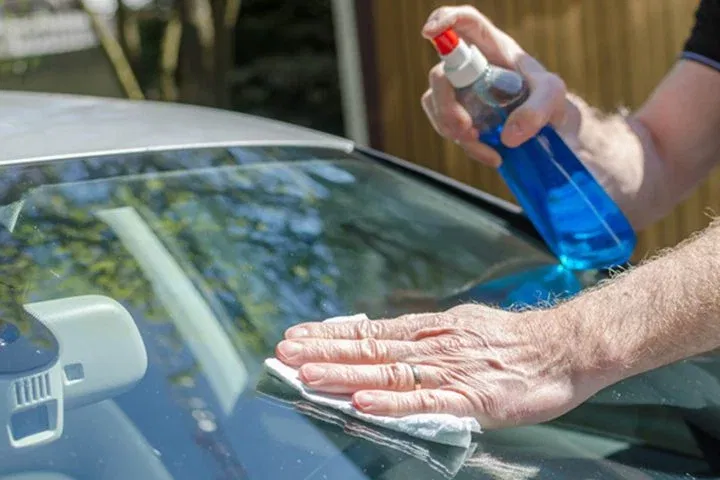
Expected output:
(576, 217)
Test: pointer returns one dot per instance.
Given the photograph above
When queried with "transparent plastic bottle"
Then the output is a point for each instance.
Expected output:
(573, 213)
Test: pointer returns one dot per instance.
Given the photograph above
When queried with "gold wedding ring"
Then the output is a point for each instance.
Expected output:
(416, 376)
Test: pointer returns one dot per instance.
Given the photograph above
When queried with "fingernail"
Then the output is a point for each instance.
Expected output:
(313, 373)
(364, 400)
(370, 402)
(297, 332)
(290, 349)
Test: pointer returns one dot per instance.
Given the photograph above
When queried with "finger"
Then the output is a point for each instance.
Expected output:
(429, 108)
(400, 404)
(452, 119)
(472, 147)
(469, 143)
(401, 328)
(367, 351)
(475, 28)
(482, 153)
(546, 101)
(398, 376)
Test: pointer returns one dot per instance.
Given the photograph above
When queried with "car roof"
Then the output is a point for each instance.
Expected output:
(42, 126)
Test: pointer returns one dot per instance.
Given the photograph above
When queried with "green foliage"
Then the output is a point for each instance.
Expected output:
(267, 244)
(286, 64)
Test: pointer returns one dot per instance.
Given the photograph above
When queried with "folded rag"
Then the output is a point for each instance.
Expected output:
(434, 427)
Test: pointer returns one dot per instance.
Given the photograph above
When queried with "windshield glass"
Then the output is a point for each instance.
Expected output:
(215, 252)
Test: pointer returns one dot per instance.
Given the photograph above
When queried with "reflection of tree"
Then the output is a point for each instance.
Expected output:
(270, 241)
(270, 244)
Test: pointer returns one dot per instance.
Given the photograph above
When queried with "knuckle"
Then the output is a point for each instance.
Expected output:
(309, 350)
(367, 329)
(560, 114)
(446, 377)
(443, 129)
(410, 323)
(532, 119)
(443, 320)
(431, 402)
(428, 107)
(476, 14)
(347, 376)
(436, 74)
(450, 121)
(440, 12)
(426, 99)
(450, 344)
(464, 311)
(330, 353)
(394, 376)
(555, 83)
(447, 115)
(429, 337)
(489, 403)
(471, 12)
(370, 348)
(319, 352)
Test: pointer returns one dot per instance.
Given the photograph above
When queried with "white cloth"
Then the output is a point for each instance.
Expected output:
(441, 428)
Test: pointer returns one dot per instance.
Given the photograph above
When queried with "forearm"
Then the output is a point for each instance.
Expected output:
(660, 312)
(651, 160)
(620, 152)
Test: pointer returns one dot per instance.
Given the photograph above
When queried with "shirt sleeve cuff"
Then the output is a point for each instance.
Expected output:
(708, 62)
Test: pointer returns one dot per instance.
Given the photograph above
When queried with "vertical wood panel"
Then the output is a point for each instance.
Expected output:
(612, 52)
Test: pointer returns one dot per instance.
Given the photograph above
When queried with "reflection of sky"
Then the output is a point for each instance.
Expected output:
(269, 441)
(151, 404)
(275, 442)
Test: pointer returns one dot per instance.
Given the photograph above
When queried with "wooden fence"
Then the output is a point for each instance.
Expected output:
(612, 52)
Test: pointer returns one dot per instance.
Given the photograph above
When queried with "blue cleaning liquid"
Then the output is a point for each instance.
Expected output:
(540, 286)
(577, 219)
(573, 213)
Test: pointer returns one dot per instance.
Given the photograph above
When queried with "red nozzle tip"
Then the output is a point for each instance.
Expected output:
(446, 41)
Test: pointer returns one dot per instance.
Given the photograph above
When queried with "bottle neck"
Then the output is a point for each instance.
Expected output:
(464, 65)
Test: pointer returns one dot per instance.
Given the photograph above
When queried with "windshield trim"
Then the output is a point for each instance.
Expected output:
(29, 161)
(507, 211)
(496, 206)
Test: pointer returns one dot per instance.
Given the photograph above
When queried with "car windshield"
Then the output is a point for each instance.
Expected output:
(215, 252)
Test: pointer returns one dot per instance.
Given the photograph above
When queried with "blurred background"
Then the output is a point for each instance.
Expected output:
(355, 68)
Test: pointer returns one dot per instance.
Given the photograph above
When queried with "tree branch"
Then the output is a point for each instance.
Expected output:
(115, 54)
(169, 57)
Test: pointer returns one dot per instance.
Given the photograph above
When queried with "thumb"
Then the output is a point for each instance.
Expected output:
(545, 103)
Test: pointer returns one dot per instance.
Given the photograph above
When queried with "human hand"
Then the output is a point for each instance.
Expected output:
(546, 103)
(504, 368)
